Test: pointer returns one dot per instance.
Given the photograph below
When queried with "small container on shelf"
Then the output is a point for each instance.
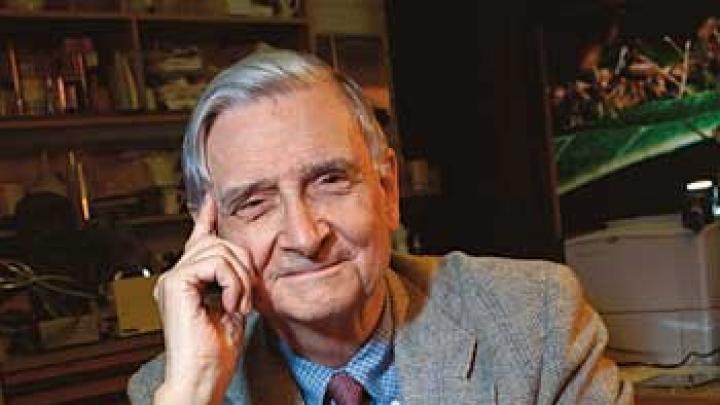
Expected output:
(25, 5)
(33, 70)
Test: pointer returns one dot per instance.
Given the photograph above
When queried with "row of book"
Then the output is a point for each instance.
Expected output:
(76, 78)
(69, 79)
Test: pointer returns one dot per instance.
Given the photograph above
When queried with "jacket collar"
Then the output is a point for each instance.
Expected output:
(264, 377)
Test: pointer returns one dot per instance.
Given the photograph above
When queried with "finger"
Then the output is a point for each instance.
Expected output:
(217, 268)
(205, 221)
(241, 264)
(236, 290)
(200, 244)
(195, 245)
(246, 273)
(234, 327)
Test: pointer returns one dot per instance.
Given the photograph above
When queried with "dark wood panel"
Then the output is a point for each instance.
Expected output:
(77, 374)
(469, 98)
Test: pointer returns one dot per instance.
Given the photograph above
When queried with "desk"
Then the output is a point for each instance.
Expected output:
(701, 394)
(95, 373)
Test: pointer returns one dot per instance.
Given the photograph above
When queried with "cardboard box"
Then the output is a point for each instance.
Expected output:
(135, 306)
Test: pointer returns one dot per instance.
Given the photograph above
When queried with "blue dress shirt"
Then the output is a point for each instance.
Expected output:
(373, 366)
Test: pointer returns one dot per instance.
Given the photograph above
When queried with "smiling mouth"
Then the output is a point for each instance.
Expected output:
(309, 270)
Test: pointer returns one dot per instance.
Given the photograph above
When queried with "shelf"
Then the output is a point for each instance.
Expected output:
(136, 222)
(79, 120)
(132, 33)
(80, 16)
(150, 220)
(64, 15)
(24, 134)
(156, 220)
(220, 19)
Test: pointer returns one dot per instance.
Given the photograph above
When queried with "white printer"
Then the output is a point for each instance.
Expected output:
(656, 285)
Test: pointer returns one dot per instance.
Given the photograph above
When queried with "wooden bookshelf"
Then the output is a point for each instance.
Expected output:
(133, 34)
(121, 129)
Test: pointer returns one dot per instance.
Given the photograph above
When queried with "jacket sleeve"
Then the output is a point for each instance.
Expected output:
(574, 369)
(142, 385)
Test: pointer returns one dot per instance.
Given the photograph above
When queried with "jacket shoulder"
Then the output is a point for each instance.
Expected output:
(508, 282)
(498, 296)
(512, 302)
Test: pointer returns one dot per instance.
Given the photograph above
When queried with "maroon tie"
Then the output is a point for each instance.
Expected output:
(344, 390)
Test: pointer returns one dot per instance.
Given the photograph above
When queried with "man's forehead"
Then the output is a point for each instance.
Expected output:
(315, 118)
(315, 100)
(290, 130)
(316, 110)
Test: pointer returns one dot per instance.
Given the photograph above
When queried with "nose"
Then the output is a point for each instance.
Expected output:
(303, 232)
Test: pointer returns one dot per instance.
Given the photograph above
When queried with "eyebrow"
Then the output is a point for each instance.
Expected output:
(242, 192)
(307, 173)
(317, 169)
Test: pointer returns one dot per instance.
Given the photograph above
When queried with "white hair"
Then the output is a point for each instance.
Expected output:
(263, 74)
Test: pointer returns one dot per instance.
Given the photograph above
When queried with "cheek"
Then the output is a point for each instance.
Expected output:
(353, 218)
(361, 227)
(257, 240)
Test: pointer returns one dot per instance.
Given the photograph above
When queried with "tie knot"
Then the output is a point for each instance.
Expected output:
(344, 390)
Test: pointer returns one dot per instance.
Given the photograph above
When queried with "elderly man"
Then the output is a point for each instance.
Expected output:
(294, 194)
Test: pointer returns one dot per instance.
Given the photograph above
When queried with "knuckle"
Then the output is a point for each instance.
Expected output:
(170, 281)
(221, 262)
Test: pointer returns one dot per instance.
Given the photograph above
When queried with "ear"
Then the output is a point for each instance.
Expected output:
(388, 173)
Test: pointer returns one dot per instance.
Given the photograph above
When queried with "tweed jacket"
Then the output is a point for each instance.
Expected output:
(468, 331)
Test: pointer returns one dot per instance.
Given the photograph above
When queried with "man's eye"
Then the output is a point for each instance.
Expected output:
(251, 203)
(250, 209)
(333, 178)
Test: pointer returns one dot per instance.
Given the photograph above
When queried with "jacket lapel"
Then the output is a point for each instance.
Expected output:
(434, 355)
(268, 378)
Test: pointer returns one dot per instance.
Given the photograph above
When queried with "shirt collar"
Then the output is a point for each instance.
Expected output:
(372, 365)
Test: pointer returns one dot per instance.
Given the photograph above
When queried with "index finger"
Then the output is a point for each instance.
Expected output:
(205, 220)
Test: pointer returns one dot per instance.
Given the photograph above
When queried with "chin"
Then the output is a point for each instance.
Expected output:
(321, 305)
